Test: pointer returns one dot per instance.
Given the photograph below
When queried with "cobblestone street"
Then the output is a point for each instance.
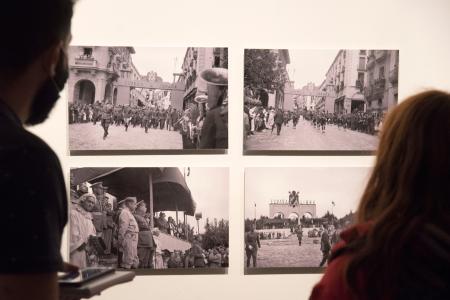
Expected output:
(306, 137)
(286, 253)
(86, 136)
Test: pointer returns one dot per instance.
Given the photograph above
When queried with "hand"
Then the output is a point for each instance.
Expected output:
(69, 268)
(82, 247)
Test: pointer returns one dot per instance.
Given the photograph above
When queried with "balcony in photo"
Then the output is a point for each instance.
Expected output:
(83, 60)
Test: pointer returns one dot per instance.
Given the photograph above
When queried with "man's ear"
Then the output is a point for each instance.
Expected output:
(50, 58)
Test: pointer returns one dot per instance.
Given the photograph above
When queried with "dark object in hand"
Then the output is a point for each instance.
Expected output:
(98, 244)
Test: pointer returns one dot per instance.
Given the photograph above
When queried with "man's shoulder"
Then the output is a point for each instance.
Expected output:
(125, 213)
(18, 145)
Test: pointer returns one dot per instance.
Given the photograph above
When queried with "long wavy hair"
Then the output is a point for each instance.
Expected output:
(408, 190)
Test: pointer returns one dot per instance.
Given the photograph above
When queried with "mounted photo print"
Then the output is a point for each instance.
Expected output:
(136, 100)
(317, 101)
(155, 220)
(293, 216)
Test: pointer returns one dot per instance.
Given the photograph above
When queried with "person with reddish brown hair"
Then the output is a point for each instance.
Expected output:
(399, 247)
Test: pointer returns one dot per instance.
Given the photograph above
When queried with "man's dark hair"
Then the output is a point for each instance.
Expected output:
(28, 28)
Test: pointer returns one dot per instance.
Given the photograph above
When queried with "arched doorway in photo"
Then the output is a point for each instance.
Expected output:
(84, 92)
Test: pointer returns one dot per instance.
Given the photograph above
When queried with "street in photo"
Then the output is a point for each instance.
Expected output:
(317, 100)
(150, 219)
(136, 98)
(293, 216)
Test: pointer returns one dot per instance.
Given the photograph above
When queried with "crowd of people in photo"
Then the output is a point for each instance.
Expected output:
(258, 118)
(365, 122)
(203, 122)
(107, 232)
(188, 122)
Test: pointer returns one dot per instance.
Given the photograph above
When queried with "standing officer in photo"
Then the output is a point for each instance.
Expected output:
(128, 234)
(252, 244)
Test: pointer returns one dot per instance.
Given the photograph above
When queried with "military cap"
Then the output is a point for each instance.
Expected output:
(215, 76)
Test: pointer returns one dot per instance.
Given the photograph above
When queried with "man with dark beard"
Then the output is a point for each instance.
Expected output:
(33, 71)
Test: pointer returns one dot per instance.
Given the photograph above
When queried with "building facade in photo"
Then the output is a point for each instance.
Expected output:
(94, 71)
(282, 59)
(307, 98)
(381, 86)
(284, 210)
(196, 60)
(107, 75)
(344, 82)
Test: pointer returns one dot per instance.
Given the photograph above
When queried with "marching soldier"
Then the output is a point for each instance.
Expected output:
(106, 116)
(299, 233)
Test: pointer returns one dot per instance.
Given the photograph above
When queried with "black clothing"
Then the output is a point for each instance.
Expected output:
(214, 134)
(33, 200)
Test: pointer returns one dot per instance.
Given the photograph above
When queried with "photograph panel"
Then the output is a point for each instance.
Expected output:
(330, 101)
(154, 220)
(140, 99)
(293, 216)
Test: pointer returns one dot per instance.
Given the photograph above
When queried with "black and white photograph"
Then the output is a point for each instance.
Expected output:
(140, 99)
(330, 101)
(293, 216)
(153, 220)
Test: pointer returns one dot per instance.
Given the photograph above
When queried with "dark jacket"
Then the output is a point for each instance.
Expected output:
(214, 133)
(279, 118)
(427, 275)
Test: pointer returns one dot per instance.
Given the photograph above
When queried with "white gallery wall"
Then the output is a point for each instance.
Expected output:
(419, 29)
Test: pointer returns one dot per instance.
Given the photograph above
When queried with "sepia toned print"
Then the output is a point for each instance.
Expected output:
(150, 219)
(317, 100)
(293, 216)
(147, 99)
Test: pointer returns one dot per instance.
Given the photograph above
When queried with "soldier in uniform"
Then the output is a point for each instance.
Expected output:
(106, 119)
(299, 233)
(128, 234)
(214, 134)
(252, 244)
(145, 247)
(126, 117)
(147, 119)
(325, 246)
(295, 117)
(161, 119)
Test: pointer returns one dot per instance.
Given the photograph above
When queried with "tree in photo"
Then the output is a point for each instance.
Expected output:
(262, 70)
(216, 234)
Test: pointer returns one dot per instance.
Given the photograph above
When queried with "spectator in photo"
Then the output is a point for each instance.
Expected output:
(159, 261)
(398, 248)
(214, 258)
(197, 252)
(278, 120)
(81, 228)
